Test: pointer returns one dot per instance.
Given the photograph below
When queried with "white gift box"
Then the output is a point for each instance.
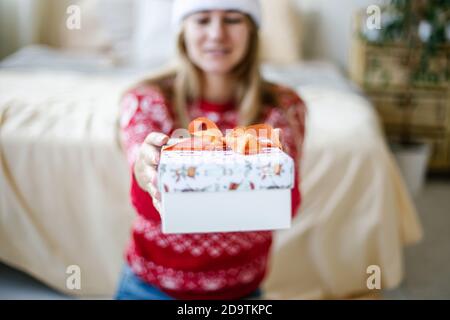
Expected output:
(223, 191)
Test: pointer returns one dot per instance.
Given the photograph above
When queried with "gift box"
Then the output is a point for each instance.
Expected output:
(216, 183)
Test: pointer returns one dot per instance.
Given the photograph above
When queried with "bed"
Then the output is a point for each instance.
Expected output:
(64, 181)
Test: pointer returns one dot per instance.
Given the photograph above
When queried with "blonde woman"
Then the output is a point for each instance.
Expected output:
(217, 77)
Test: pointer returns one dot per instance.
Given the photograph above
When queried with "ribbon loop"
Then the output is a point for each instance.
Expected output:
(244, 140)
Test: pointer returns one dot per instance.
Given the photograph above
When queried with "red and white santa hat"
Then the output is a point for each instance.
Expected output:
(184, 8)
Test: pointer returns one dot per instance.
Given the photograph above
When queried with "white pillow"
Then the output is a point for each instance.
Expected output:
(154, 41)
(116, 18)
(140, 32)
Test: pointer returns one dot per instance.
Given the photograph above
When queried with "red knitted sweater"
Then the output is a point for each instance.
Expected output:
(200, 266)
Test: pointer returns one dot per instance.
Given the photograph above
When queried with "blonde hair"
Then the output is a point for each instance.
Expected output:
(187, 85)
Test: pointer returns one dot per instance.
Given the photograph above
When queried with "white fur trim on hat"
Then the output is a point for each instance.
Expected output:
(184, 8)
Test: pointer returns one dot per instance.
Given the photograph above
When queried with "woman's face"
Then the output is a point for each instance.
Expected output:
(217, 41)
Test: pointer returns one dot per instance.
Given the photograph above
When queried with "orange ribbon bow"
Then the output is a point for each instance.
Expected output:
(243, 140)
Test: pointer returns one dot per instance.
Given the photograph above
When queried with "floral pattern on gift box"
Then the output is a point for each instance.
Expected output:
(221, 171)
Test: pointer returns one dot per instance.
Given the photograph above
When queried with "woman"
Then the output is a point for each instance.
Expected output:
(217, 77)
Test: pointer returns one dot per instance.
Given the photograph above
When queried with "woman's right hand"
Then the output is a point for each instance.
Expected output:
(146, 165)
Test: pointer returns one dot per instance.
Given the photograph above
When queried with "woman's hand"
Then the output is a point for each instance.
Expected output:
(146, 165)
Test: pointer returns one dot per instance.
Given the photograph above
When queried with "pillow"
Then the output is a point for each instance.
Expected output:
(106, 26)
(281, 36)
(154, 43)
(139, 31)
(153, 40)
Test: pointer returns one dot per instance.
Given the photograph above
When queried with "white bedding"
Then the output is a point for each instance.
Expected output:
(64, 186)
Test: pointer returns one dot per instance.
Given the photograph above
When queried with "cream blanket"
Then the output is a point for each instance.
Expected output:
(64, 191)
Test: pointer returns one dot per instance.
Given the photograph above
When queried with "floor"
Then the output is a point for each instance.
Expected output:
(427, 264)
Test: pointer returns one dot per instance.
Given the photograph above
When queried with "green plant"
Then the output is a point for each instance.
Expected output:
(436, 13)
(421, 25)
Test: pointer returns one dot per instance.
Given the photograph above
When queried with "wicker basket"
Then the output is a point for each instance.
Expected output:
(408, 102)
